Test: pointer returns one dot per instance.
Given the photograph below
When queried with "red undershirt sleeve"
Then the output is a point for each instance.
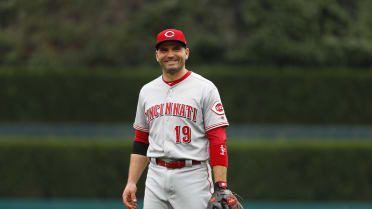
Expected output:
(141, 136)
(217, 146)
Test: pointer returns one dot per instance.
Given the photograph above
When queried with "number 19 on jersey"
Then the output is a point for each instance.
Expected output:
(183, 133)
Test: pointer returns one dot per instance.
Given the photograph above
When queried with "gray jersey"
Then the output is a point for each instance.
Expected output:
(177, 117)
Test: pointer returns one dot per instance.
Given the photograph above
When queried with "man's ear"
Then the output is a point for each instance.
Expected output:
(156, 55)
(187, 51)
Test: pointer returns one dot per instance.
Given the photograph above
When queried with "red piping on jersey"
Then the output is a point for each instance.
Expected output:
(216, 125)
(140, 128)
(172, 83)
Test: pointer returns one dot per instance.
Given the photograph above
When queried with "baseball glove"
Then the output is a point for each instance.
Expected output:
(223, 198)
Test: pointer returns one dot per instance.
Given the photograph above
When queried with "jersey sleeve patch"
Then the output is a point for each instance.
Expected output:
(218, 108)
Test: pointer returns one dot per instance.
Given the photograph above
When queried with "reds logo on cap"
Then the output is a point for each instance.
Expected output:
(218, 108)
(170, 35)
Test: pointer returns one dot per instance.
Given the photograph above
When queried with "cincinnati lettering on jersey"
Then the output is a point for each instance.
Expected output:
(171, 109)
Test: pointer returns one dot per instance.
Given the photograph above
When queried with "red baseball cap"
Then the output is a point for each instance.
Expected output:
(170, 35)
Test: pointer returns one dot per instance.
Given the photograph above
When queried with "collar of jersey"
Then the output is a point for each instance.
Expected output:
(172, 83)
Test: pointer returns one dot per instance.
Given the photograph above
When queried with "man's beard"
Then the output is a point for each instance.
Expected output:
(174, 69)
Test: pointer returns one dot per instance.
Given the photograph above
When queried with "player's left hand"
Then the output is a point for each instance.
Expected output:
(223, 198)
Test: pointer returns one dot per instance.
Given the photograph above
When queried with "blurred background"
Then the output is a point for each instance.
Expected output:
(294, 76)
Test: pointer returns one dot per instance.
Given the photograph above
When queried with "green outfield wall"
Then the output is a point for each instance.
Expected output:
(269, 170)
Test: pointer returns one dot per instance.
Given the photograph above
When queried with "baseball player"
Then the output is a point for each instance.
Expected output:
(180, 132)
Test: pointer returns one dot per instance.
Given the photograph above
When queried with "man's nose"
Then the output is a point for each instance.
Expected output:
(170, 53)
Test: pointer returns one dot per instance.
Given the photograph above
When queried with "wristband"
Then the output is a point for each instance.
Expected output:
(220, 185)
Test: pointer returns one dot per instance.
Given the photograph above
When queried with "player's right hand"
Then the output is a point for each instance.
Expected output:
(129, 196)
